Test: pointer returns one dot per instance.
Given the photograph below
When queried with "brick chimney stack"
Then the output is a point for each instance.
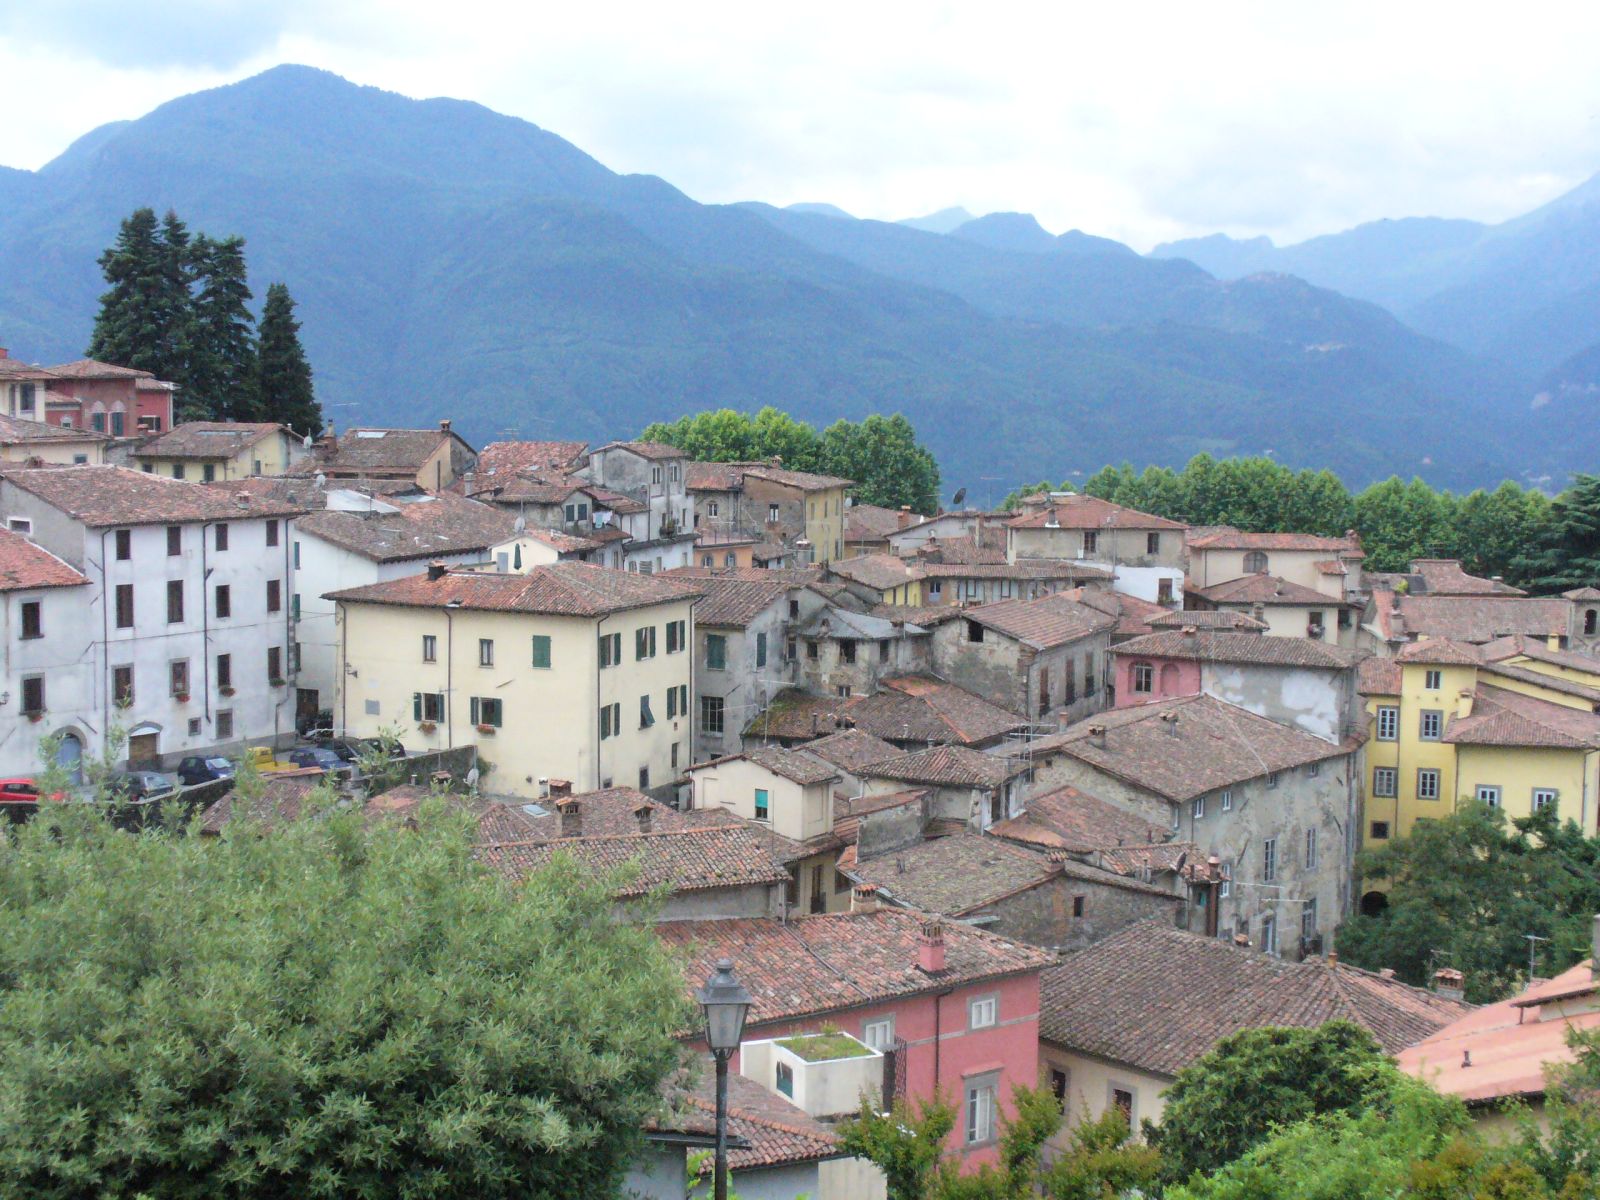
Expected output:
(642, 815)
(903, 517)
(559, 788)
(444, 425)
(864, 898)
(1097, 736)
(1449, 983)
(571, 818)
(930, 947)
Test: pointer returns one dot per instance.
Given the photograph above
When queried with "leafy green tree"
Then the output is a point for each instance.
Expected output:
(141, 317)
(330, 1011)
(1496, 530)
(283, 379)
(907, 1143)
(222, 382)
(1231, 1098)
(886, 461)
(1568, 554)
(1565, 1144)
(724, 435)
(1465, 888)
(1101, 1161)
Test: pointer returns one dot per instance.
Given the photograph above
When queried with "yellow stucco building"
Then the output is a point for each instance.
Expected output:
(213, 450)
(564, 672)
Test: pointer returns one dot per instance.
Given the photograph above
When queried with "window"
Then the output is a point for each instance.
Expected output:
(297, 556)
(1311, 848)
(1255, 563)
(1225, 887)
(487, 710)
(1388, 723)
(486, 652)
(174, 540)
(1269, 860)
(646, 717)
(675, 636)
(1380, 831)
(427, 706)
(983, 1012)
(1272, 779)
(1152, 543)
(274, 663)
(974, 632)
(25, 397)
(430, 648)
(847, 651)
(97, 422)
(711, 714)
(541, 651)
(878, 1034)
(1590, 618)
(1314, 769)
(1144, 678)
(763, 804)
(790, 651)
(1269, 935)
(644, 642)
(124, 539)
(1488, 794)
(794, 610)
(678, 701)
(1044, 689)
(1314, 622)
(1385, 781)
(32, 695)
(1091, 541)
(674, 753)
(1544, 799)
(179, 471)
(272, 526)
(980, 1097)
(1078, 904)
(224, 724)
(32, 618)
(1427, 784)
(1199, 807)
(1163, 592)
(178, 676)
(1308, 920)
(610, 720)
(1227, 801)
(936, 587)
(716, 652)
(209, 472)
(22, 525)
(610, 649)
(122, 684)
(222, 536)
(224, 670)
(772, 513)
(784, 1079)
(1432, 680)
(1431, 725)
(1122, 1101)
(274, 595)
(1088, 674)
(124, 606)
(761, 650)
(224, 600)
(811, 649)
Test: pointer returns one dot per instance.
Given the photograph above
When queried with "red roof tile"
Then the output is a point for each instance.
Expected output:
(1069, 819)
(1265, 589)
(680, 860)
(1225, 538)
(1246, 648)
(1089, 512)
(106, 496)
(24, 565)
(510, 458)
(568, 589)
(1043, 623)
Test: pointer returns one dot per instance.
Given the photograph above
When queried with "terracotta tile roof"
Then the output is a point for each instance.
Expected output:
(1438, 651)
(1023, 569)
(869, 522)
(88, 368)
(281, 799)
(1503, 718)
(680, 860)
(1227, 538)
(1157, 998)
(925, 617)
(788, 764)
(420, 526)
(535, 488)
(1043, 623)
(107, 496)
(775, 1133)
(959, 550)
(511, 458)
(877, 571)
(1520, 645)
(844, 624)
(1493, 672)
(1583, 593)
(366, 449)
(1210, 745)
(1445, 577)
(495, 819)
(1378, 677)
(848, 811)
(15, 368)
(731, 603)
(1163, 857)
(19, 431)
(730, 477)
(795, 576)
(907, 708)
(657, 451)
(949, 766)
(24, 566)
(208, 439)
(851, 749)
(805, 481)
(1069, 819)
(606, 812)
(1218, 619)
(1331, 566)
(1507, 1052)
(1264, 589)
(954, 875)
(1476, 618)
(820, 964)
(1089, 512)
(1134, 616)
(566, 589)
(1247, 648)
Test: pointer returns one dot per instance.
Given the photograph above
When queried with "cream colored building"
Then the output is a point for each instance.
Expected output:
(1330, 565)
(215, 450)
(567, 671)
(22, 440)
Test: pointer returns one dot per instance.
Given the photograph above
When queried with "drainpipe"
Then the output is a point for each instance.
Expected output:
(449, 674)
(105, 646)
(594, 730)
(343, 680)
(205, 624)
(938, 1034)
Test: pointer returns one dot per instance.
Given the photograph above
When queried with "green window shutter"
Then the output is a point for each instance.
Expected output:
(416, 706)
(541, 651)
(475, 707)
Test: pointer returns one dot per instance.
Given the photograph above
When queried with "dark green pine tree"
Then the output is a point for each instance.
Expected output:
(221, 341)
(283, 374)
(132, 327)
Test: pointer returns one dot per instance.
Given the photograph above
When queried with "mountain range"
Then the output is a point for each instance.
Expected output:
(451, 261)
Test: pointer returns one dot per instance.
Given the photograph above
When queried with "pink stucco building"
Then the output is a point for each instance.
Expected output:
(1145, 678)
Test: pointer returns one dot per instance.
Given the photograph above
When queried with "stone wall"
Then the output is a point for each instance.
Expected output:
(1044, 915)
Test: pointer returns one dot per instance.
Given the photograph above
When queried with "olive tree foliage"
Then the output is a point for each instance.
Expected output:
(326, 1010)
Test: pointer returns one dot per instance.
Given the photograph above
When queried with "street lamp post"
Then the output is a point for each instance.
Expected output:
(725, 1004)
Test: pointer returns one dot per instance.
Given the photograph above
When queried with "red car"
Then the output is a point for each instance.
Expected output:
(19, 798)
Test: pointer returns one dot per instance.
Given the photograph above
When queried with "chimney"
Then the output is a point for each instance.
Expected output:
(1464, 703)
(1097, 736)
(1259, 612)
(642, 816)
(930, 947)
(1171, 719)
(1189, 631)
(444, 425)
(1386, 973)
(1553, 642)
(1333, 959)
(903, 517)
(436, 571)
(571, 818)
(1448, 982)
(864, 898)
(560, 788)
(4, 353)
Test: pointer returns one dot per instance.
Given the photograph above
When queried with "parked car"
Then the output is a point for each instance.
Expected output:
(318, 756)
(350, 748)
(19, 798)
(200, 768)
(140, 785)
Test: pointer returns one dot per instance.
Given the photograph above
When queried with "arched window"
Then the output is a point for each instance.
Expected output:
(119, 419)
(1589, 619)
(1169, 679)
(97, 418)
(1255, 562)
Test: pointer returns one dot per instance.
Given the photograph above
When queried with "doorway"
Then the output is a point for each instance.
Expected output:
(69, 756)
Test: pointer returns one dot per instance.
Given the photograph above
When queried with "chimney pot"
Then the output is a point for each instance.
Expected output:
(864, 898)
(642, 815)
(930, 947)
(444, 425)
(1466, 1058)
(4, 353)
(1189, 631)
(1448, 982)
(559, 788)
(437, 570)
(571, 818)
(1097, 735)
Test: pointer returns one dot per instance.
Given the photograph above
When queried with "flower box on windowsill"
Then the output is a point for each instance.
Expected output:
(181, 697)
(487, 730)
(275, 683)
(35, 717)
(427, 726)
(226, 691)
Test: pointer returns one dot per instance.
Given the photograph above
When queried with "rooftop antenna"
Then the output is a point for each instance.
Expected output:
(1533, 945)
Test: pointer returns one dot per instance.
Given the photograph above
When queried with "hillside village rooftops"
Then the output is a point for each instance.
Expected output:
(1089, 512)
(810, 965)
(658, 451)
(371, 449)
(1043, 623)
(764, 1130)
(1194, 991)
(1504, 718)
(877, 571)
(24, 566)
(1268, 590)
(1188, 746)
(949, 766)
(786, 764)
(907, 708)
(1025, 569)
(1478, 619)
(16, 369)
(1520, 645)
(1445, 577)
(1076, 821)
(88, 368)
(851, 750)
(101, 497)
(871, 522)
(1218, 619)
(413, 527)
(836, 622)
(209, 439)
(563, 589)
(1245, 648)
(731, 603)
(680, 860)
(511, 458)
(730, 477)
(1227, 538)
(1437, 652)
(1378, 677)
(19, 431)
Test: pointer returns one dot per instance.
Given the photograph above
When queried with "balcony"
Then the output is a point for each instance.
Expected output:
(825, 1074)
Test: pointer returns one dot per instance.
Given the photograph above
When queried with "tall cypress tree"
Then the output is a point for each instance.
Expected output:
(132, 327)
(283, 374)
(222, 383)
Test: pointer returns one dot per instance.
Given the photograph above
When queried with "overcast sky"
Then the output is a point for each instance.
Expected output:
(1144, 121)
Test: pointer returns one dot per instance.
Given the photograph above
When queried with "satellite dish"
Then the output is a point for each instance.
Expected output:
(520, 525)
(959, 498)
(472, 779)
(308, 441)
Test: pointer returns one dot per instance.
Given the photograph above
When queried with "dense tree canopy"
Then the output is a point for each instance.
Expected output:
(334, 1010)
(1464, 890)
(283, 375)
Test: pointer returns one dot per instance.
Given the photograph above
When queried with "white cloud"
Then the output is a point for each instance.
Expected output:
(1143, 122)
